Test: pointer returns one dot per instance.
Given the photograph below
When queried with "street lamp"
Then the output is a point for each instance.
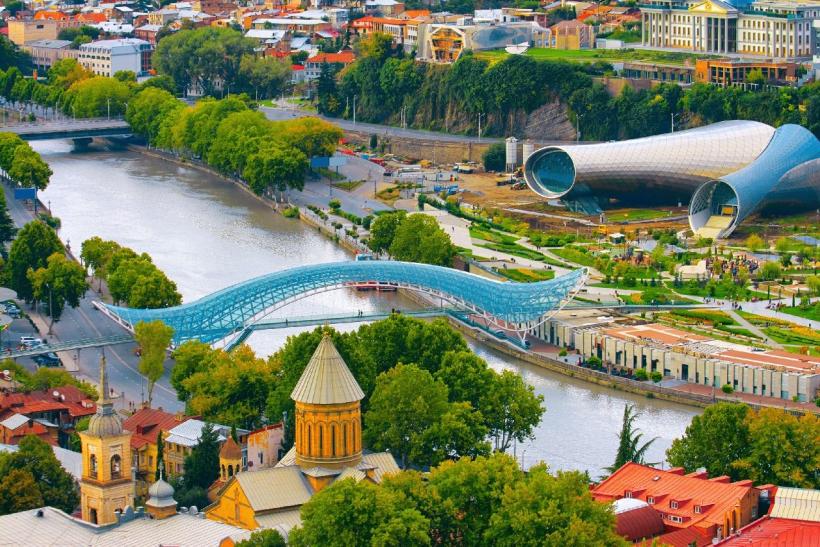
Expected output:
(480, 114)
(672, 118)
(578, 117)
(354, 108)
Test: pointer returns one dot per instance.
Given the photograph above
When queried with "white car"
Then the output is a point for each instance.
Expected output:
(31, 342)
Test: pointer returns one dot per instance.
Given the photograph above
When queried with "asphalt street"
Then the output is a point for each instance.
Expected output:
(86, 321)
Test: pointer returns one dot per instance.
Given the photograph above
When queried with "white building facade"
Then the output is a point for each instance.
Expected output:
(107, 57)
(775, 29)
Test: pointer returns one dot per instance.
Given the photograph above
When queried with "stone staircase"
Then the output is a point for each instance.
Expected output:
(714, 226)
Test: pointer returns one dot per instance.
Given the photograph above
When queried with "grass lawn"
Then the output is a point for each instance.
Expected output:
(654, 296)
(348, 185)
(492, 236)
(593, 55)
(721, 291)
(799, 336)
(526, 275)
(812, 312)
(698, 316)
(575, 256)
(635, 214)
(516, 250)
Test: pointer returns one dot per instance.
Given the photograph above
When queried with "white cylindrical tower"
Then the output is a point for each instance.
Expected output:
(512, 153)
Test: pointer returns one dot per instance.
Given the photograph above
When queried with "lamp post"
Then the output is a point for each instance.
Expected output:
(672, 118)
(480, 114)
(354, 108)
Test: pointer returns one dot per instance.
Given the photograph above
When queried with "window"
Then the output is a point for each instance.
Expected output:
(92, 466)
(650, 500)
(628, 494)
(261, 458)
(677, 519)
(116, 467)
(673, 504)
(698, 509)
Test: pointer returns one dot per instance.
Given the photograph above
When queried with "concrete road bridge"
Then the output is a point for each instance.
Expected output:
(70, 129)
(227, 315)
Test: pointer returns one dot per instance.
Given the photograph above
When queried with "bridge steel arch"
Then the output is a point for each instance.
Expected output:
(228, 312)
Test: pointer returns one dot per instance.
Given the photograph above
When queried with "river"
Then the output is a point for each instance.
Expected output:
(206, 234)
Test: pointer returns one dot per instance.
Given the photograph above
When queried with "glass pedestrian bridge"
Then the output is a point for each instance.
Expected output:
(228, 313)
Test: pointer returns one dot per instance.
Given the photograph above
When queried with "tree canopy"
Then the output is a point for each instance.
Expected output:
(34, 244)
(486, 501)
(766, 446)
(35, 467)
(153, 340)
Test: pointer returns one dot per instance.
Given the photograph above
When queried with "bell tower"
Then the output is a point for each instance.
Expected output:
(328, 411)
(106, 484)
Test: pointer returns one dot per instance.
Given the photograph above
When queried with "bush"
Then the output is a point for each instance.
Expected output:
(291, 212)
(562, 353)
(656, 376)
(334, 203)
(594, 361)
(495, 157)
(641, 375)
(727, 388)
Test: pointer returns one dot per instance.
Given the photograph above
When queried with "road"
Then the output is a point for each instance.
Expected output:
(84, 322)
(278, 113)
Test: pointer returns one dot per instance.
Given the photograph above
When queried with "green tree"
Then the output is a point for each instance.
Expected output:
(202, 464)
(495, 158)
(467, 493)
(770, 271)
(61, 282)
(264, 77)
(97, 96)
(153, 340)
(160, 456)
(383, 230)
(232, 389)
(785, 449)
(630, 448)
(264, 538)
(28, 169)
(419, 238)
(35, 242)
(546, 509)
(7, 227)
(46, 378)
(467, 376)
(190, 358)
(275, 167)
(57, 488)
(351, 514)
(512, 410)
(19, 492)
(148, 109)
(715, 440)
(754, 242)
(406, 403)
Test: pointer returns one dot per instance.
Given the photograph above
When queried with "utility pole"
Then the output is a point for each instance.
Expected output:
(578, 127)
(354, 109)
(50, 309)
(108, 102)
(480, 114)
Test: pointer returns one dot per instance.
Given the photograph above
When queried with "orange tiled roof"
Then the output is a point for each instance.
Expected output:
(50, 15)
(413, 13)
(147, 422)
(714, 496)
(345, 57)
(92, 17)
(776, 532)
(69, 398)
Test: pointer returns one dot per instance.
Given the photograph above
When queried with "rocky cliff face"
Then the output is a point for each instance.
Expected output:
(550, 122)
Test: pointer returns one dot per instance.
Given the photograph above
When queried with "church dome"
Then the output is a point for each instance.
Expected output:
(104, 425)
(161, 494)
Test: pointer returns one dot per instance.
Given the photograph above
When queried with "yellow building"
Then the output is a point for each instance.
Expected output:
(327, 447)
(147, 425)
(106, 485)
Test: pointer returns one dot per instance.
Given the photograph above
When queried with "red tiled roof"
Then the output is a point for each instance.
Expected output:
(69, 398)
(50, 15)
(776, 532)
(715, 498)
(146, 423)
(345, 57)
(684, 537)
(92, 17)
(640, 523)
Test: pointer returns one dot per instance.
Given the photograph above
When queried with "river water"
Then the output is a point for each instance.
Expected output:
(206, 234)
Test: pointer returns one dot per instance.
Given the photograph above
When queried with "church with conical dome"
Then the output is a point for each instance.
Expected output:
(106, 485)
(327, 447)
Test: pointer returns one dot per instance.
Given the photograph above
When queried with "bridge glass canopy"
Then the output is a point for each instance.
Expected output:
(231, 310)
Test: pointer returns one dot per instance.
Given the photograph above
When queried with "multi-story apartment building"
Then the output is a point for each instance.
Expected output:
(767, 28)
(28, 30)
(45, 53)
(107, 57)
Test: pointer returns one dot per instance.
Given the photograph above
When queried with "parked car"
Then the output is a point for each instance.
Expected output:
(49, 359)
(30, 341)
